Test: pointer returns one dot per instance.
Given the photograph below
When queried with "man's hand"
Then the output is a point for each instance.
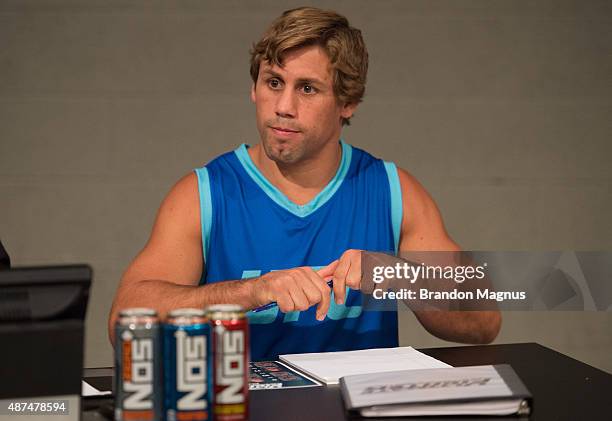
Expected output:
(347, 274)
(296, 289)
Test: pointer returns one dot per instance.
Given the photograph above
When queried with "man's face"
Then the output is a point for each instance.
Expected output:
(297, 111)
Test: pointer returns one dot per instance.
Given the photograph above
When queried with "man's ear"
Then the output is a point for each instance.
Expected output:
(253, 92)
(348, 110)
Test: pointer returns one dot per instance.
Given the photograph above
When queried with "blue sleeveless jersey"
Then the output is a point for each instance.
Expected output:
(250, 228)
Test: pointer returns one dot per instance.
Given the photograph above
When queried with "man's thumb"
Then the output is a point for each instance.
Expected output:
(328, 270)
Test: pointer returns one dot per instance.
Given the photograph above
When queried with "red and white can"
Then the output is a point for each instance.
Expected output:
(230, 333)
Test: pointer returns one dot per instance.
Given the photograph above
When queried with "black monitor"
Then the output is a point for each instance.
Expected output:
(5, 260)
(42, 313)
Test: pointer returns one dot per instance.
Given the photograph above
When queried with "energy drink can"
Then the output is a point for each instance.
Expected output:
(187, 366)
(138, 386)
(230, 331)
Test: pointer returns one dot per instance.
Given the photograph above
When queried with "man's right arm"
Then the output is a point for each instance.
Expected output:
(166, 273)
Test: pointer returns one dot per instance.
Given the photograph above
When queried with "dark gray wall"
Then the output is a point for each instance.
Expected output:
(502, 110)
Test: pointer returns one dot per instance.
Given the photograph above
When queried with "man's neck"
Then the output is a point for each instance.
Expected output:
(302, 181)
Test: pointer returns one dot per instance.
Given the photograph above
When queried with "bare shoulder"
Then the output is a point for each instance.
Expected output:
(182, 201)
(174, 249)
(422, 224)
(415, 198)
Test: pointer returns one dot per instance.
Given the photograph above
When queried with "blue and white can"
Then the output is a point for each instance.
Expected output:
(187, 366)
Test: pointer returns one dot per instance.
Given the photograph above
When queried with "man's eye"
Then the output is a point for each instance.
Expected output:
(308, 89)
(274, 83)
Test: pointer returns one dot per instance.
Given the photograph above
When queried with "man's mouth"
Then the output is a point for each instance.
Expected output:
(284, 129)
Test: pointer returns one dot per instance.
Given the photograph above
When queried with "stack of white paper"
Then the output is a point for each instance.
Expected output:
(328, 367)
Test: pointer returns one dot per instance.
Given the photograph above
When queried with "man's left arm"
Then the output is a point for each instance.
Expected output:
(423, 230)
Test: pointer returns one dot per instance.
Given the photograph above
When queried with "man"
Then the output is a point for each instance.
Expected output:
(275, 221)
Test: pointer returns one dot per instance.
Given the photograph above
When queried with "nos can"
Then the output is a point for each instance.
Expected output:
(187, 366)
(138, 386)
(230, 330)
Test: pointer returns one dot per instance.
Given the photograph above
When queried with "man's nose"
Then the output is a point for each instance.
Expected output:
(286, 104)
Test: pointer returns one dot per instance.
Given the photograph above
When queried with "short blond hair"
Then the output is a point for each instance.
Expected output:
(331, 31)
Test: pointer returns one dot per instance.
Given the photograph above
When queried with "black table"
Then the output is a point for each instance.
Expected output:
(563, 388)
